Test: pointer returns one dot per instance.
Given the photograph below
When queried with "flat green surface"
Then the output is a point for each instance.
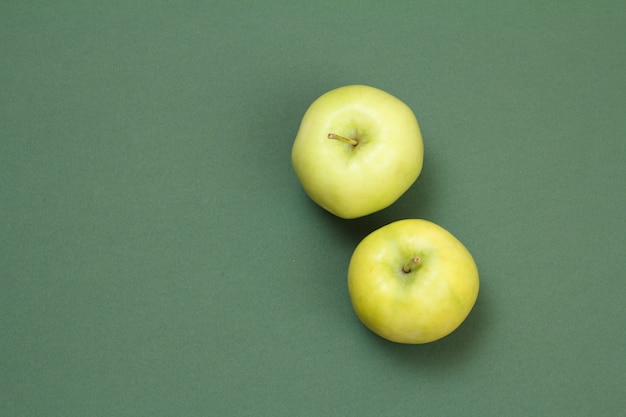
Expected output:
(158, 256)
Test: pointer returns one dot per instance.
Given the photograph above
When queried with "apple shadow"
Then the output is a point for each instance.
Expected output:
(452, 352)
(419, 201)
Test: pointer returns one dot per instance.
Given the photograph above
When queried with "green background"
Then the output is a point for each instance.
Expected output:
(159, 258)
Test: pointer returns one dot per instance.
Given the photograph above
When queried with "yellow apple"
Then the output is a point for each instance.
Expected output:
(358, 149)
(412, 281)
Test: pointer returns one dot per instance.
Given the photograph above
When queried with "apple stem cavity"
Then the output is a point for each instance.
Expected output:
(411, 264)
(343, 139)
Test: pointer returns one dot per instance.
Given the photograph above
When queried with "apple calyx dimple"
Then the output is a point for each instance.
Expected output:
(344, 139)
(411, 264)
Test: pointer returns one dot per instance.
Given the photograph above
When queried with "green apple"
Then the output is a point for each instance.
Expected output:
(412, 281)
(358, 149)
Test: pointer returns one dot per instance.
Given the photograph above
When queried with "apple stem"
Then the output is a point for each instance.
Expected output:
(411, 264)
(343, 139)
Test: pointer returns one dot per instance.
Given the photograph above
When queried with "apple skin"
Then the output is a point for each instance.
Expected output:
(353, 181)
(420, 306)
